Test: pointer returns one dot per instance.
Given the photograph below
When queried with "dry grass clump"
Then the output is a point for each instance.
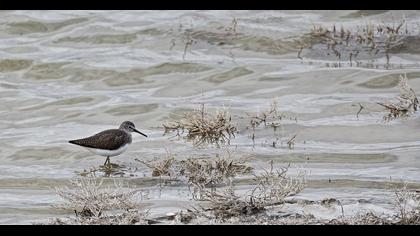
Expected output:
(203, 127)
(272, 187)
(407, 102)
(129, 217)
(369, 39)
(211, 180)
(210, 173)
(160, 168)
(413, 218)
(186, 35)
(270, 118)
(226, 204)
(407, 205)
(407, 211)
(90, 202)
(203, 174)
(199, 173)
(369, 218)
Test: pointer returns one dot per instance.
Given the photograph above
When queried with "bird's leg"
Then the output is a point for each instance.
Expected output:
(107, 160)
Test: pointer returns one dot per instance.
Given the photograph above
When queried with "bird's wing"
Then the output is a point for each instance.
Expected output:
(109, 139)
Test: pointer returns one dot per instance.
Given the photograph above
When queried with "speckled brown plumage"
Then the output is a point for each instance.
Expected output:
(111, 139)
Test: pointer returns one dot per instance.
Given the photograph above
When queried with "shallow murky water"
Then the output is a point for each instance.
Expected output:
(69, 74)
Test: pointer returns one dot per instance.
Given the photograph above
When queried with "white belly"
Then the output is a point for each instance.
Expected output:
(108, 153)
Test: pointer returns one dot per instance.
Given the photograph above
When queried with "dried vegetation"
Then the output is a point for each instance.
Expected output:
(406, 103)
(369, 40)
(203, 127)
(93, 203)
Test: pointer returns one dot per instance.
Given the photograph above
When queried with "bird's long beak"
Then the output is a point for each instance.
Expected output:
(139, 132)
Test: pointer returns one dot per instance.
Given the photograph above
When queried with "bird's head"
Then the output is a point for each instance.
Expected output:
(129, 127)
